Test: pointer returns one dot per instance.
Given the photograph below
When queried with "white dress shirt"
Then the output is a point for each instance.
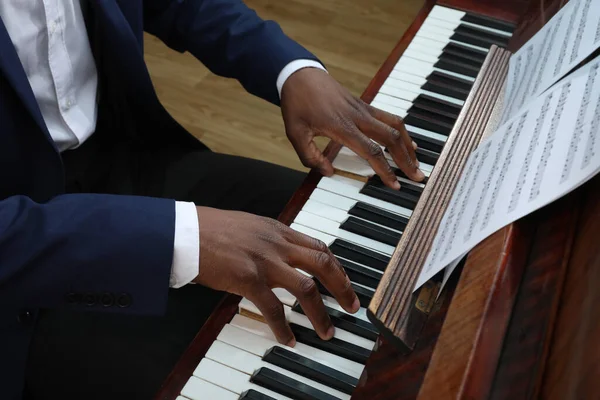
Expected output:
(51, 40)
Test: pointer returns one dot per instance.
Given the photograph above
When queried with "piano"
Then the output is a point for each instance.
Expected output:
(520, 316)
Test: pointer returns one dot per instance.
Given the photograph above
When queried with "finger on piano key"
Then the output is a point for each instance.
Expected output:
(358, 166)
(199, 389)
(288, 299)
(335, 346)
(249, 363)
(364, 294)
(280, 383)
(313, 370)
(348, 322)
(302, 320)
(257, 338)
(229, 378)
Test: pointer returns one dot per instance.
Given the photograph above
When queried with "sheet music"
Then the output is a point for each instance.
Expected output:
(564, 41)
(547, 149)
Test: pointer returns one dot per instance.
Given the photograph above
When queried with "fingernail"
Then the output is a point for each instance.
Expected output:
(396, 185)
(291, 343)
(355, 305)
(420, 175)
(330, 332)
(414, 145)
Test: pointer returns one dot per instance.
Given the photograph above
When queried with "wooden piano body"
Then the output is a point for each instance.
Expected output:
(519, 319)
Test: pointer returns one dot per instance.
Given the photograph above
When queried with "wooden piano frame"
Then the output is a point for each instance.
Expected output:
(520, 319)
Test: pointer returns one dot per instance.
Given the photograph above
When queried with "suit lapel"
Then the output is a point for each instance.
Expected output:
(11, 66)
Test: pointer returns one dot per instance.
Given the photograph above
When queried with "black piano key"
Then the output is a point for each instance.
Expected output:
(407, 187)
(364, 294)
(429, 121)
(379, 216)
(401, 174)
(467, 52)
(426, 142)
(287, 386)
(448, 85)
(424, 155)
(460, 65)
(335, 346)
(254, 395)
(489, 22)
(438, 106)
(427, 156)
(371, 231)
(347, 322)
(398, 197)
(359, 254)
(478, 37)
(360, 274)
(310, 369)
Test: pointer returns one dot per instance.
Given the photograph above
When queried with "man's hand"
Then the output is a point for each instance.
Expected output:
(314, 104)
(248, 255)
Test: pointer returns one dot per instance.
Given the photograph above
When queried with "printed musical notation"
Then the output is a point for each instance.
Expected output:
(568, 38)
(547, 149)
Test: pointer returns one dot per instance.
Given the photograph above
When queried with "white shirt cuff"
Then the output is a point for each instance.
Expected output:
(186, 247)
(292, 67)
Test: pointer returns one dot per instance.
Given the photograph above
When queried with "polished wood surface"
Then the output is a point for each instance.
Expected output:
(394, 308)
(352, 38)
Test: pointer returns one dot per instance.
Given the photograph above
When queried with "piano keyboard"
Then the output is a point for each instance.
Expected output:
(361, 222)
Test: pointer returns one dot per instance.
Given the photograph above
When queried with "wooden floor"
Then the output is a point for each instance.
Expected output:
(352, 38)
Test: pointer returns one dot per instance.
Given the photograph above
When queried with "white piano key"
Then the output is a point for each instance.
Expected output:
(332, 199)
(409, 92)
(229, 378)
(325, 238)
(435, 31)
(486, 28)
(425, 45)
(248, 363)
(423, 69)
(427, 133)
(301, 319)
(389, 108)
(445, 13)
(406, 77)
(333, 228)
(199, 389)
(348, 188)
(325, 211)
(419, 55)
(257, 338)
(484, 49)
(401, 104)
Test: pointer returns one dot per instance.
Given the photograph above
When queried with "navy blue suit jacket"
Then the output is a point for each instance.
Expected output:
(57, 248)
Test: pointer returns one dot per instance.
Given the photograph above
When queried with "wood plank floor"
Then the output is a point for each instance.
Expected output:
(352, 38)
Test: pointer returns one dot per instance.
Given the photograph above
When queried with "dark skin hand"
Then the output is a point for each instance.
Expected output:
(314, 104)
(249, 255)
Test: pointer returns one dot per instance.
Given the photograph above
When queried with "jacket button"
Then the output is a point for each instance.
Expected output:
(25, 317)
(89, 299)
(124, 300)
(107, 299)
(72, 297)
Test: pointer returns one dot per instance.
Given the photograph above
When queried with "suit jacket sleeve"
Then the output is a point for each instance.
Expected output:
(229, 38)
(86, 251)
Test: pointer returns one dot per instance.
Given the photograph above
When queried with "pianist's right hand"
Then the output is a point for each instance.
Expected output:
(248, 255)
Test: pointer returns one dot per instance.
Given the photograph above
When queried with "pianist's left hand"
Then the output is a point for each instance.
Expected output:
(315, 104)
